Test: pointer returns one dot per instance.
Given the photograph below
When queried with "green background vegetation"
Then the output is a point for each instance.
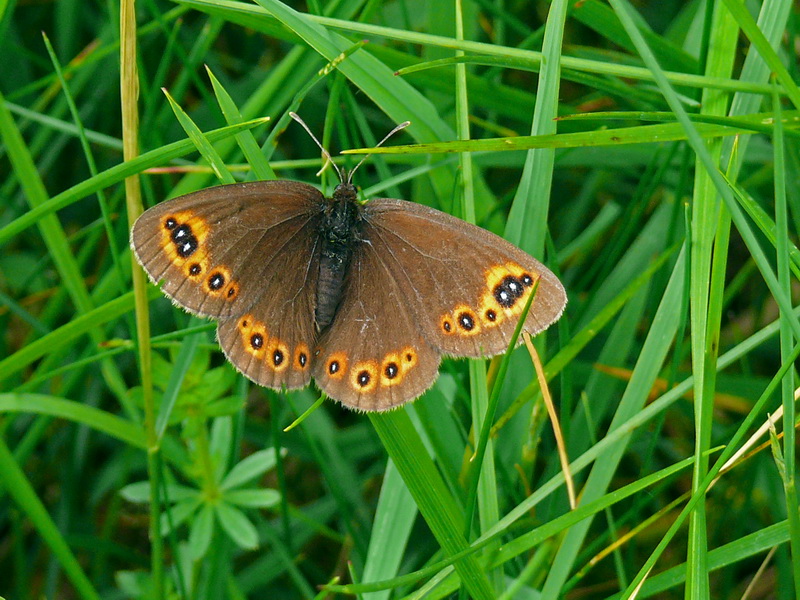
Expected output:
(646, 153)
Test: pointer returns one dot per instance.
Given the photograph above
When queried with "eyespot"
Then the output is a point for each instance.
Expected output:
(257, 341)
(219, 282)
(301, 357)
(336, 365)
(365, 376)
(446, 324)
(276, 355)
(216, 281)
(466, 320)
(392, 369)
(409, 355)
(183, 237)
(253, 335)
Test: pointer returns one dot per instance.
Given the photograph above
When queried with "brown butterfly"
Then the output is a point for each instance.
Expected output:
(364, 298)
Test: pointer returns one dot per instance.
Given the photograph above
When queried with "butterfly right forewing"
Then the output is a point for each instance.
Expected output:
(466, 286)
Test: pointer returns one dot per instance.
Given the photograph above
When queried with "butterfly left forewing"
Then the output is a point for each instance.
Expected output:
(466, 287)
(213, 248)
(373, 357)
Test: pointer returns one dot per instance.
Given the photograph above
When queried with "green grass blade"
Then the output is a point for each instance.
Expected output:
(435, 503)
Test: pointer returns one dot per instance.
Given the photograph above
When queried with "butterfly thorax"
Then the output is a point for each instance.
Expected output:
(339, 233)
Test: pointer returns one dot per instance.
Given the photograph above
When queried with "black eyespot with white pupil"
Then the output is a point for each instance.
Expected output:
(216, 281)
(364, 378)
(256, 341)
(527, 280)
(391, 370)
(185, 242)
(466, 321)
(277, 357)
(195, 269)
(491, 315)
(333, 367)
(513, 285)
(508, 291)
(302, 359)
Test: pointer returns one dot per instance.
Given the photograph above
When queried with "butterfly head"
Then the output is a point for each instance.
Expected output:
(345, 193)
(342, 214)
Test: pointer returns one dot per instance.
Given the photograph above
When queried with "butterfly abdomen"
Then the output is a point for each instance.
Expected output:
(339, 232)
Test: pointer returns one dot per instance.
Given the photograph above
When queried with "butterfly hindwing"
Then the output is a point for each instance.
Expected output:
(373, 356)
(465, 287)
(271, 342)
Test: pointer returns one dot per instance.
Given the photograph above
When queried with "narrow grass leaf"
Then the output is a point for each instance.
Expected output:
(76, 412)
(435, 503)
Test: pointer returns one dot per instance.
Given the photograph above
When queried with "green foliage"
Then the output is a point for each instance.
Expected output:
(647, 153)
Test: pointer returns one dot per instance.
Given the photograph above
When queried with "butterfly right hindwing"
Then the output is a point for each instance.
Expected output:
(373, 356)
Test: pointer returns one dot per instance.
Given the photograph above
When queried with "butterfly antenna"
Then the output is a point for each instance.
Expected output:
(386, 137)
(325, 153)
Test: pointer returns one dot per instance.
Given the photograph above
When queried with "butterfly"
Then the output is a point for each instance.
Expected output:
(365, 298)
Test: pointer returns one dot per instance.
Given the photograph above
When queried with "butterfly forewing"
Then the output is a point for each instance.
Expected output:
(373, 356)
(465, 287)
(213, 248)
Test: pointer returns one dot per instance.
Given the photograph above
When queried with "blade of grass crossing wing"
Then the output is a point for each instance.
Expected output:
(435, 503)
